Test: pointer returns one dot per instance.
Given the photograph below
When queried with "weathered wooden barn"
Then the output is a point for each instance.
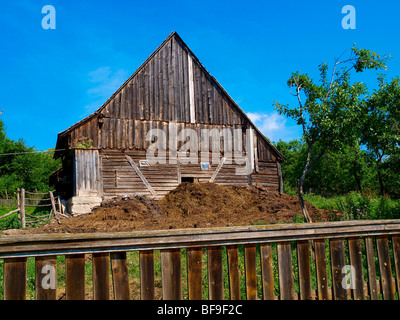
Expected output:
(107, 153)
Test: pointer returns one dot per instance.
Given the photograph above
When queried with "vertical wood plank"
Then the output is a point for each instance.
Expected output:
(233, 269)
(251, 271)
(385, 267)
(194, 266)
(53, 203)
(171, 274)
(396, 253)
(356, 262)
(286, 282)
(303, 259)
(191, 90)
(372, 281)
(320, 264)
(267, 271)
(120, 275)
(215, 276)
(75, 277)
(22, 208)
(101, 276)
(337, 263)
(46, 278)
(146, 261)
(14, 279)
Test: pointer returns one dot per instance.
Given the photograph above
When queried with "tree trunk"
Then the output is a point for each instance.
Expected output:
(382, 189)
(300, 188)
(301, 200)
(356, 176)
(380, 178)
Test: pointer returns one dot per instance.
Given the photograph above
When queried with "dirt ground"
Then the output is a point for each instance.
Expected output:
(191, 205)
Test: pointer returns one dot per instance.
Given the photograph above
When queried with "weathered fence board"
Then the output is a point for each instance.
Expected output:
(267, 271)
(46, 280)
(233, 269)
(15, 279)
(372, 281)
(215, 273)
(194, 266)
(396, 253)
(321, 267)
(357, 263)
(322, 250)
(303, 257)
(146, 259)
(337, 263)
(385, 267)
(75, 277)
(101, 276)
(120, 275)
(171, 274)
(286, 283)
(251, 271)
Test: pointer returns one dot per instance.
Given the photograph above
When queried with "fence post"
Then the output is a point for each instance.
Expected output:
(53, 204)
(18, 199)
(23, 208)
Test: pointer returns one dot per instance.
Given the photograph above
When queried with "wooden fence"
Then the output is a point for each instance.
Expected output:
(316, 253)
(33, 199)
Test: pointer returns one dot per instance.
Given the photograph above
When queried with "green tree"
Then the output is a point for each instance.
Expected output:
(381, 129)
(338, 172)
(330, 111)
(22, 166)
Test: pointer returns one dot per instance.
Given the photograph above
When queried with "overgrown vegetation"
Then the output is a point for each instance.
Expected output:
(356, 134)
(23, 167)
(344, 180)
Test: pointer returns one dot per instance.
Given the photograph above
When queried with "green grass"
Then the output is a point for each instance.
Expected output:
(357, 206)
(12, 221)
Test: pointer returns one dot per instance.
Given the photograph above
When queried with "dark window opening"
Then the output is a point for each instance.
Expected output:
(187, 179)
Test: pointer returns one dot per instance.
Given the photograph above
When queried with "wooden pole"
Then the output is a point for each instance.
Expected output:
(18, 203)
(53, 204)
(23, 208)
(60, 209)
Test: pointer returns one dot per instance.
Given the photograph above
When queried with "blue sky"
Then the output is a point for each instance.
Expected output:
(51, 79)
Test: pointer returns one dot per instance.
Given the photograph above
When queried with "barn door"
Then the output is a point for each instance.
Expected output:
(87, 173)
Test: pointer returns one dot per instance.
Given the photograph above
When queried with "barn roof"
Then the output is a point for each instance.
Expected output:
(62, 135)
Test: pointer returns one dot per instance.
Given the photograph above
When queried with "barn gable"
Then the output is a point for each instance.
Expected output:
(170, 86)
(103, 154)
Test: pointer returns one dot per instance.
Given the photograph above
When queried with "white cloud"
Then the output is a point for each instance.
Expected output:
(274, 126)
(103, 82)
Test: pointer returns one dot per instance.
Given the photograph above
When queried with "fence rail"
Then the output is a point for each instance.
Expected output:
(319, 251)
(32, 199)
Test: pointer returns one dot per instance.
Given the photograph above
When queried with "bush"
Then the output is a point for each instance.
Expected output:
(358, 206)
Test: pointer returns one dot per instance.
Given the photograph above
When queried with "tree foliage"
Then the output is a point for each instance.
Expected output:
(330, 111)
(381, 131)
(22, 166)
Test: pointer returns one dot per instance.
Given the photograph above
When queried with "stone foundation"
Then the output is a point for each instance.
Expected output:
(82, 205)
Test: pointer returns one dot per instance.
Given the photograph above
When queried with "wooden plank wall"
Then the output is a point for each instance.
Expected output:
(87, 173)
(119, 178)
(158, 94)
